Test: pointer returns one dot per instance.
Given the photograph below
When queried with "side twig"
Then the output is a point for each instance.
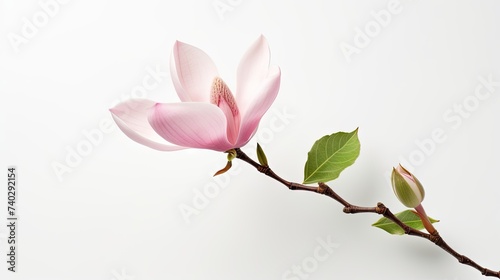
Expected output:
(380, 209)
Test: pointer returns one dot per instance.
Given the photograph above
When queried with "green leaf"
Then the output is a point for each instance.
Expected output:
(408, 217)
(330, 155)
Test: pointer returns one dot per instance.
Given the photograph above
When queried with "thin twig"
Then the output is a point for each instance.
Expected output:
(380, 209)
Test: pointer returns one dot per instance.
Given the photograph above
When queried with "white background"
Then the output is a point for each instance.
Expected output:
(116, 214)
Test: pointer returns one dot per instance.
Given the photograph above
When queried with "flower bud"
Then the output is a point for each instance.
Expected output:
(261, 156)
(407, 187)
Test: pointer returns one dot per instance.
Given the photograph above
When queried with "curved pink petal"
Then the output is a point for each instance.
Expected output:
(194, 125)
(252, 71)
(132, 118)
(257, 108)
(192, 72)
(222, 97)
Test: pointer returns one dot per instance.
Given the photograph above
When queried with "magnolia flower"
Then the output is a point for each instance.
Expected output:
(209, 115)
(407, 187)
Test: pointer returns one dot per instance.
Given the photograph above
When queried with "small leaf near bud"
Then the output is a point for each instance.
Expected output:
(261, 156)
(408, 217)
(231, 154)
(225, 169)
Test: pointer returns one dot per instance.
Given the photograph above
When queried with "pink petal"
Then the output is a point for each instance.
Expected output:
(252, 70)
(222, 97)
(194, 125)
(132, 118)
(192, 72)
(233, 120)
(257, 108)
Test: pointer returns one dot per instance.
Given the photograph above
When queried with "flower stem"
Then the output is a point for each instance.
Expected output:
(425, 220)
(380, 209)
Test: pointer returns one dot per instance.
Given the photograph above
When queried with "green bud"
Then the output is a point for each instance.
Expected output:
(231, 154)
(407, 187)
(261, 156)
